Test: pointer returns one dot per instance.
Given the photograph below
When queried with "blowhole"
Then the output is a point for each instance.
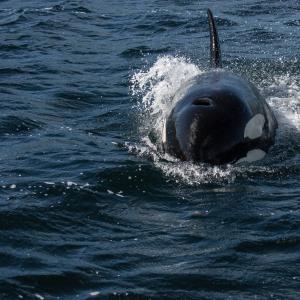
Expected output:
(202, 102)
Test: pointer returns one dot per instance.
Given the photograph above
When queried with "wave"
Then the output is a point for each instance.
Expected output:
(13, 125)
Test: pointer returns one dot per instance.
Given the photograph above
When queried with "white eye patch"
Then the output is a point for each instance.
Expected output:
(253, 155)
(254, 127)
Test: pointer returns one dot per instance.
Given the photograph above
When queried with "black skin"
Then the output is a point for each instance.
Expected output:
(207, 124)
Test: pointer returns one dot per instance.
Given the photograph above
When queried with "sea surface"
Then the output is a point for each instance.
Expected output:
(89, 206)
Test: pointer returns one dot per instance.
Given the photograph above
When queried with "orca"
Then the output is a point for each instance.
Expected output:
(219, 117)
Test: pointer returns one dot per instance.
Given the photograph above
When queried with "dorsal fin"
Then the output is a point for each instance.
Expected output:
(215, 51)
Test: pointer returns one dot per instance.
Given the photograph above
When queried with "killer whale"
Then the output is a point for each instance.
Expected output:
(219, 117)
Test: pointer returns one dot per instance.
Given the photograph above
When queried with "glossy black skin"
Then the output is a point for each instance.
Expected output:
(207, 124)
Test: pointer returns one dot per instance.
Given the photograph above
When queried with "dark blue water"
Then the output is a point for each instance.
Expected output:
(89, 209)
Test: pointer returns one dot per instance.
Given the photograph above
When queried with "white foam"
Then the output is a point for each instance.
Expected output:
(93, 294)
(285, 100)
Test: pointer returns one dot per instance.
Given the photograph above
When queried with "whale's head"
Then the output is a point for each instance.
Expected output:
(220, 119)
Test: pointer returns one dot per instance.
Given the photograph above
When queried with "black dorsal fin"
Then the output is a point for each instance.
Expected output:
(215, 51)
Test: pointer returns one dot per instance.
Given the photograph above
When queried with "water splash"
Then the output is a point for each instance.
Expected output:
(284, 97)
(156, 88)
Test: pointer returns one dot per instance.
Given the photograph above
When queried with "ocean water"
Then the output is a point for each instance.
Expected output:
(89, 206)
